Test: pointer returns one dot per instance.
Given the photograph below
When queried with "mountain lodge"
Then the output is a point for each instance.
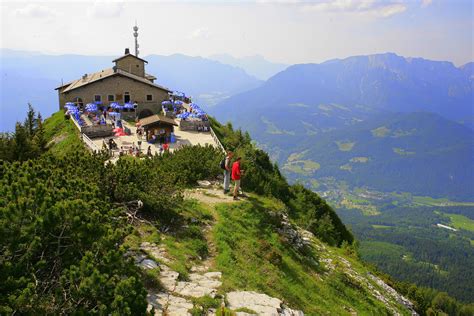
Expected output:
(126, 82)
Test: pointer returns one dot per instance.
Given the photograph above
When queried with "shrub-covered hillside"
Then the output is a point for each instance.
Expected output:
(73, 230)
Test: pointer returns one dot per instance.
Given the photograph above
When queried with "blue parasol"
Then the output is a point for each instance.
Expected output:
(128, 106)
(116, 106)
(91, 107)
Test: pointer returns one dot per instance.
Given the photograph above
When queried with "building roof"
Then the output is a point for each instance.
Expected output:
(157, 119)
(106, 73)
(150, 77)
(126, 55)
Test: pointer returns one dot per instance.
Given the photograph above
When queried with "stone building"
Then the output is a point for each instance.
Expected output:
(126, 82)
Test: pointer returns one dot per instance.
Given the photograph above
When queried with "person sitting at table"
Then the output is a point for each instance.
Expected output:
(121, 151)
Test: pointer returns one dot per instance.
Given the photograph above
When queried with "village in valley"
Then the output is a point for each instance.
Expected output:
(122, 110)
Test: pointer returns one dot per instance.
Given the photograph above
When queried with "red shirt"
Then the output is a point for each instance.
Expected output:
(236, 171)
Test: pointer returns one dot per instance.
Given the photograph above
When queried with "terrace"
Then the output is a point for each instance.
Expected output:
(182, 124)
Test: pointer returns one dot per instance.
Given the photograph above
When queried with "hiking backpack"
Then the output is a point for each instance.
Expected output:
(222, 164)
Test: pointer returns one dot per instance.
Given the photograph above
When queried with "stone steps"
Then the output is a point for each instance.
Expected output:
(176, 299)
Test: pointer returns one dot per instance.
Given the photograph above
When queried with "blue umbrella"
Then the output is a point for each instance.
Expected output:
(178, 102)
(166, 103)
(91, 107)
(116, 106)
(113, 113)
(69, 103)
(128, 106)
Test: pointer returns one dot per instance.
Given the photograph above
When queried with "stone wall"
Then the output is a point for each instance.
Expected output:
(192, 125)
(132, 65)
(97, 131)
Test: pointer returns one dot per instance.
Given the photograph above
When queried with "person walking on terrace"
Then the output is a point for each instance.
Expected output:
(236, 175)
(227, 170)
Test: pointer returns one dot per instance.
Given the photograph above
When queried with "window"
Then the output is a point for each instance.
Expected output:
(126, 97)
(138, 66)
(97, 98)
(149, 97)
(111, 98)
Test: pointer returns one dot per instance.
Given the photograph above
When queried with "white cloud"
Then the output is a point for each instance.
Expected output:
(105, 9)
(35, 11)
(370, 7)
(425, 3)
(200, 33)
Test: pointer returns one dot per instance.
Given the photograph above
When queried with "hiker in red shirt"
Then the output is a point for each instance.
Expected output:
(236, 174)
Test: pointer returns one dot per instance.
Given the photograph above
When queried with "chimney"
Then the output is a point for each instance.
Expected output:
(127, 51)
(84, 77)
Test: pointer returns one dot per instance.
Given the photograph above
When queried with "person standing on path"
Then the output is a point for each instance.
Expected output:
(236, 174)
(227, 170)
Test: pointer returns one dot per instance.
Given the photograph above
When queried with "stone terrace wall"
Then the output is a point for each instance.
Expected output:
(192, 125)
(97, 131)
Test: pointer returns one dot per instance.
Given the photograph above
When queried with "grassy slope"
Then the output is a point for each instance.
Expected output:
(252, 256)
(63, 134)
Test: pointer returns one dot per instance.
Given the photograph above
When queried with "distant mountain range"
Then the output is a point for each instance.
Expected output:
(315, 118)
(255, 65)
(32, 77)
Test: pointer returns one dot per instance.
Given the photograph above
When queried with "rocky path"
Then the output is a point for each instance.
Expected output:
(175, 297)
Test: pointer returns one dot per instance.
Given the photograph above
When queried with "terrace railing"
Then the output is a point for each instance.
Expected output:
(92, 146)
(216, 139)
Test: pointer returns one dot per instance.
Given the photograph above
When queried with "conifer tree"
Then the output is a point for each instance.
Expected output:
(39, 138)
(21, 149)
(30, 121)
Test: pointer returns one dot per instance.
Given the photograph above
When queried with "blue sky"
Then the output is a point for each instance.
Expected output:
(287, 31)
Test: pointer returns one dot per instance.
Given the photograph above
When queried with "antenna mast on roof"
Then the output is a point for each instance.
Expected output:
(135, 34)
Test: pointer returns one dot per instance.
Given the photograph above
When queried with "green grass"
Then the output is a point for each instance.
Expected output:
(346, 167)
(461, 222)
(383, 249)
(364, 206)
(402, 152)
(381, 131)
(360, 159)
(253, 256)
(340, 107)
(345, 145)
(273, 129)
(62, 134)
(296, 156)
(324, 107)
(303, 167)
(314, 184)
(402, 133)
(427, 200)
(381, 226)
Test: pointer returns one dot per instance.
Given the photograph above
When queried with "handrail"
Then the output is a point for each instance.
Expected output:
(90, 143)
(75, 122)
(216, 139)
